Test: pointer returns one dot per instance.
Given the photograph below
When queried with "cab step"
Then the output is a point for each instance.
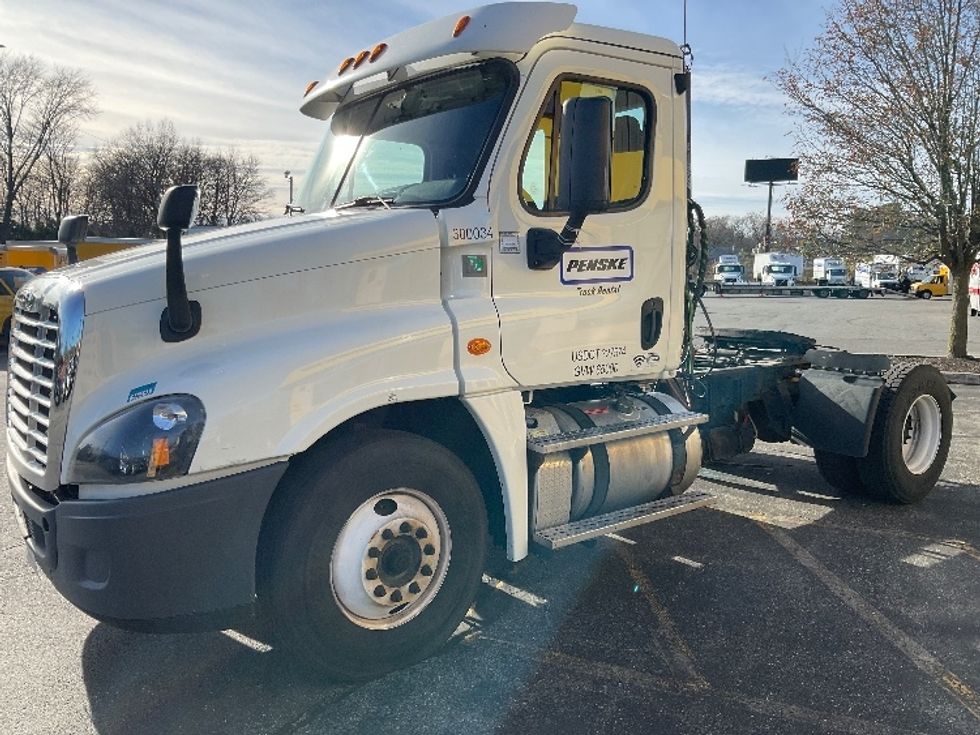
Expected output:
(602, 434)
(587, 528)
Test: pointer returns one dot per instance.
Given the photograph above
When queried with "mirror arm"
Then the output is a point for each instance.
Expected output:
(181, 319)
(545, 247)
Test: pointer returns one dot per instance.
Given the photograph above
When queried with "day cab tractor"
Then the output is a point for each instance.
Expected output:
(481, 326)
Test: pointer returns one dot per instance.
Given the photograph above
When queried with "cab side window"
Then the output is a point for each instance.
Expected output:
(632, 143)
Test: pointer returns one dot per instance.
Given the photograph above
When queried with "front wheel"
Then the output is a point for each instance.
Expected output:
(926, 295)
(910, 436)
(377, 544)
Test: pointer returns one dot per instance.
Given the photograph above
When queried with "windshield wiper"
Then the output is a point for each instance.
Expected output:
(367, 201)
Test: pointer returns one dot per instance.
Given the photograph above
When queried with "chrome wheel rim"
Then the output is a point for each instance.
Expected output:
(922, 433)
(390, 559)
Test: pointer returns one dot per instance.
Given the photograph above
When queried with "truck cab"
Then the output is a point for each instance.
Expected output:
(729, 270)
(480, 325)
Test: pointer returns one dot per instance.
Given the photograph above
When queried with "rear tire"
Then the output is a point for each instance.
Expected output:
(911, 434)
(839, 471)
(5, 332)
(822, 293)
(376, 544)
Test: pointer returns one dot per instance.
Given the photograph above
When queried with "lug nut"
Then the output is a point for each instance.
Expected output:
(374, 552)
(387, 535)
(396, 596)
(405, 527)
(379, 591)
(414, 588)
(371, 574)
(426, 570)
(429, 549)
(421, 533)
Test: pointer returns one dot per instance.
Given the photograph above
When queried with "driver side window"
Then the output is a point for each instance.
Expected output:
(633, 120)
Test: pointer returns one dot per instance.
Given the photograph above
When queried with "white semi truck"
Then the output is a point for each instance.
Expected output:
(318, 420)
(729, 270)
(777, 269)
(829, 272)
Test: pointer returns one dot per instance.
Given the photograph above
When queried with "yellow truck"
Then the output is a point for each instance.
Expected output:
(46, 255)
(36, 255)
(936, 285)
(11, 279)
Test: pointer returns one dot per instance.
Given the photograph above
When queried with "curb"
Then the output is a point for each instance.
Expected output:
(962, 378)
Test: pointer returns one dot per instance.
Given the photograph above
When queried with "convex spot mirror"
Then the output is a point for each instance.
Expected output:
(178, 208)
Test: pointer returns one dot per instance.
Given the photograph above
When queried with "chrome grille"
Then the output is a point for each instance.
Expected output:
(45, 342)
(31, 378)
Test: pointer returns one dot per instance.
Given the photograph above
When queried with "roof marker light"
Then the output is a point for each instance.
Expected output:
(360, 58)
(310, 87)
(461, 25)
(377, 51)
(347, 64)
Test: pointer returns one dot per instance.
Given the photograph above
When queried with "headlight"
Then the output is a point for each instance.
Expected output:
(153, 440)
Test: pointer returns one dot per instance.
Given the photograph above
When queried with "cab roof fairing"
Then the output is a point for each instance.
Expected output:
(500, 29)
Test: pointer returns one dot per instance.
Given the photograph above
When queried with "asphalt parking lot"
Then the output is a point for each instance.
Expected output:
(784, 608)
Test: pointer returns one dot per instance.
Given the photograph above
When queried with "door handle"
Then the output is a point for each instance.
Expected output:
(651, 322)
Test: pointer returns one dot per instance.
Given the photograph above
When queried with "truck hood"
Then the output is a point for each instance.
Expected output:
(254, 251)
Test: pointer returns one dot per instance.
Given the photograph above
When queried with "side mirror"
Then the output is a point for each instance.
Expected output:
(72, 231)
(178, 208)
(585, 155)
(584, 176)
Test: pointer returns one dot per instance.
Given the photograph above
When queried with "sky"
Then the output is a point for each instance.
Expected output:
(231, 73)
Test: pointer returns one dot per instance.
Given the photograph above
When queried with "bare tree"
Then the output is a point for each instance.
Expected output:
(38, 105)
(126, 177)
(888, 101)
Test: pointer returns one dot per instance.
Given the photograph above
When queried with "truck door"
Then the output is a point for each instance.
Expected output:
(610, 309)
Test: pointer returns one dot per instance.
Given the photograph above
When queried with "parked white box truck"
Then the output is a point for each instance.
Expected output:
(777, 268)
(829, 271)
(729, 270)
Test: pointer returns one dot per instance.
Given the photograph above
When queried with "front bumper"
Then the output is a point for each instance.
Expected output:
(175, 560)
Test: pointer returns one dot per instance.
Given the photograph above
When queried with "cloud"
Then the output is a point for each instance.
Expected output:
(725, 85)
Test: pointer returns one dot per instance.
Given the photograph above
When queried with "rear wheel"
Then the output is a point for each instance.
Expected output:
(377, 544)
(839, 471)
(911, 434)
(822, 293)
(5, 331)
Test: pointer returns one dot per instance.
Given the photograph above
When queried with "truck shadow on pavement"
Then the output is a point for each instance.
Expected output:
(736, 615)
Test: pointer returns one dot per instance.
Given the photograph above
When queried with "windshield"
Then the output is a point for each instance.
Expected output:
(781, 269)
(729, 268)
(417, 144)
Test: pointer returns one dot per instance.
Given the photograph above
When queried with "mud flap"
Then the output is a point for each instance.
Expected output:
(835, 411)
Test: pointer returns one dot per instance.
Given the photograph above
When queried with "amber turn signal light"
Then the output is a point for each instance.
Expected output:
(479, 346)
(461, 25)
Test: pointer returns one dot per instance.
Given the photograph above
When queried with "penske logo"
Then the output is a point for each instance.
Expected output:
(609, 264)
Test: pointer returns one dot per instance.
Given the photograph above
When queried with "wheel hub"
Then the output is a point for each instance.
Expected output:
(399, 561)
(390, 558)
(921, 434)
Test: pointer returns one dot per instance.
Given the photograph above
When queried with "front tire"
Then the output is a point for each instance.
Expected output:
(377, 543)
(911, 434)
(926, 295)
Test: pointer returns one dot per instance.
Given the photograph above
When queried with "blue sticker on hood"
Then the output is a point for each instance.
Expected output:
(141, 392)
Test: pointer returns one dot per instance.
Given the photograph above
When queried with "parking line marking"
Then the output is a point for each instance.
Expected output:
(912, 649)
(680, 653)
(623, 539)
(516, 592)
(246, 641)
(687, 562)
